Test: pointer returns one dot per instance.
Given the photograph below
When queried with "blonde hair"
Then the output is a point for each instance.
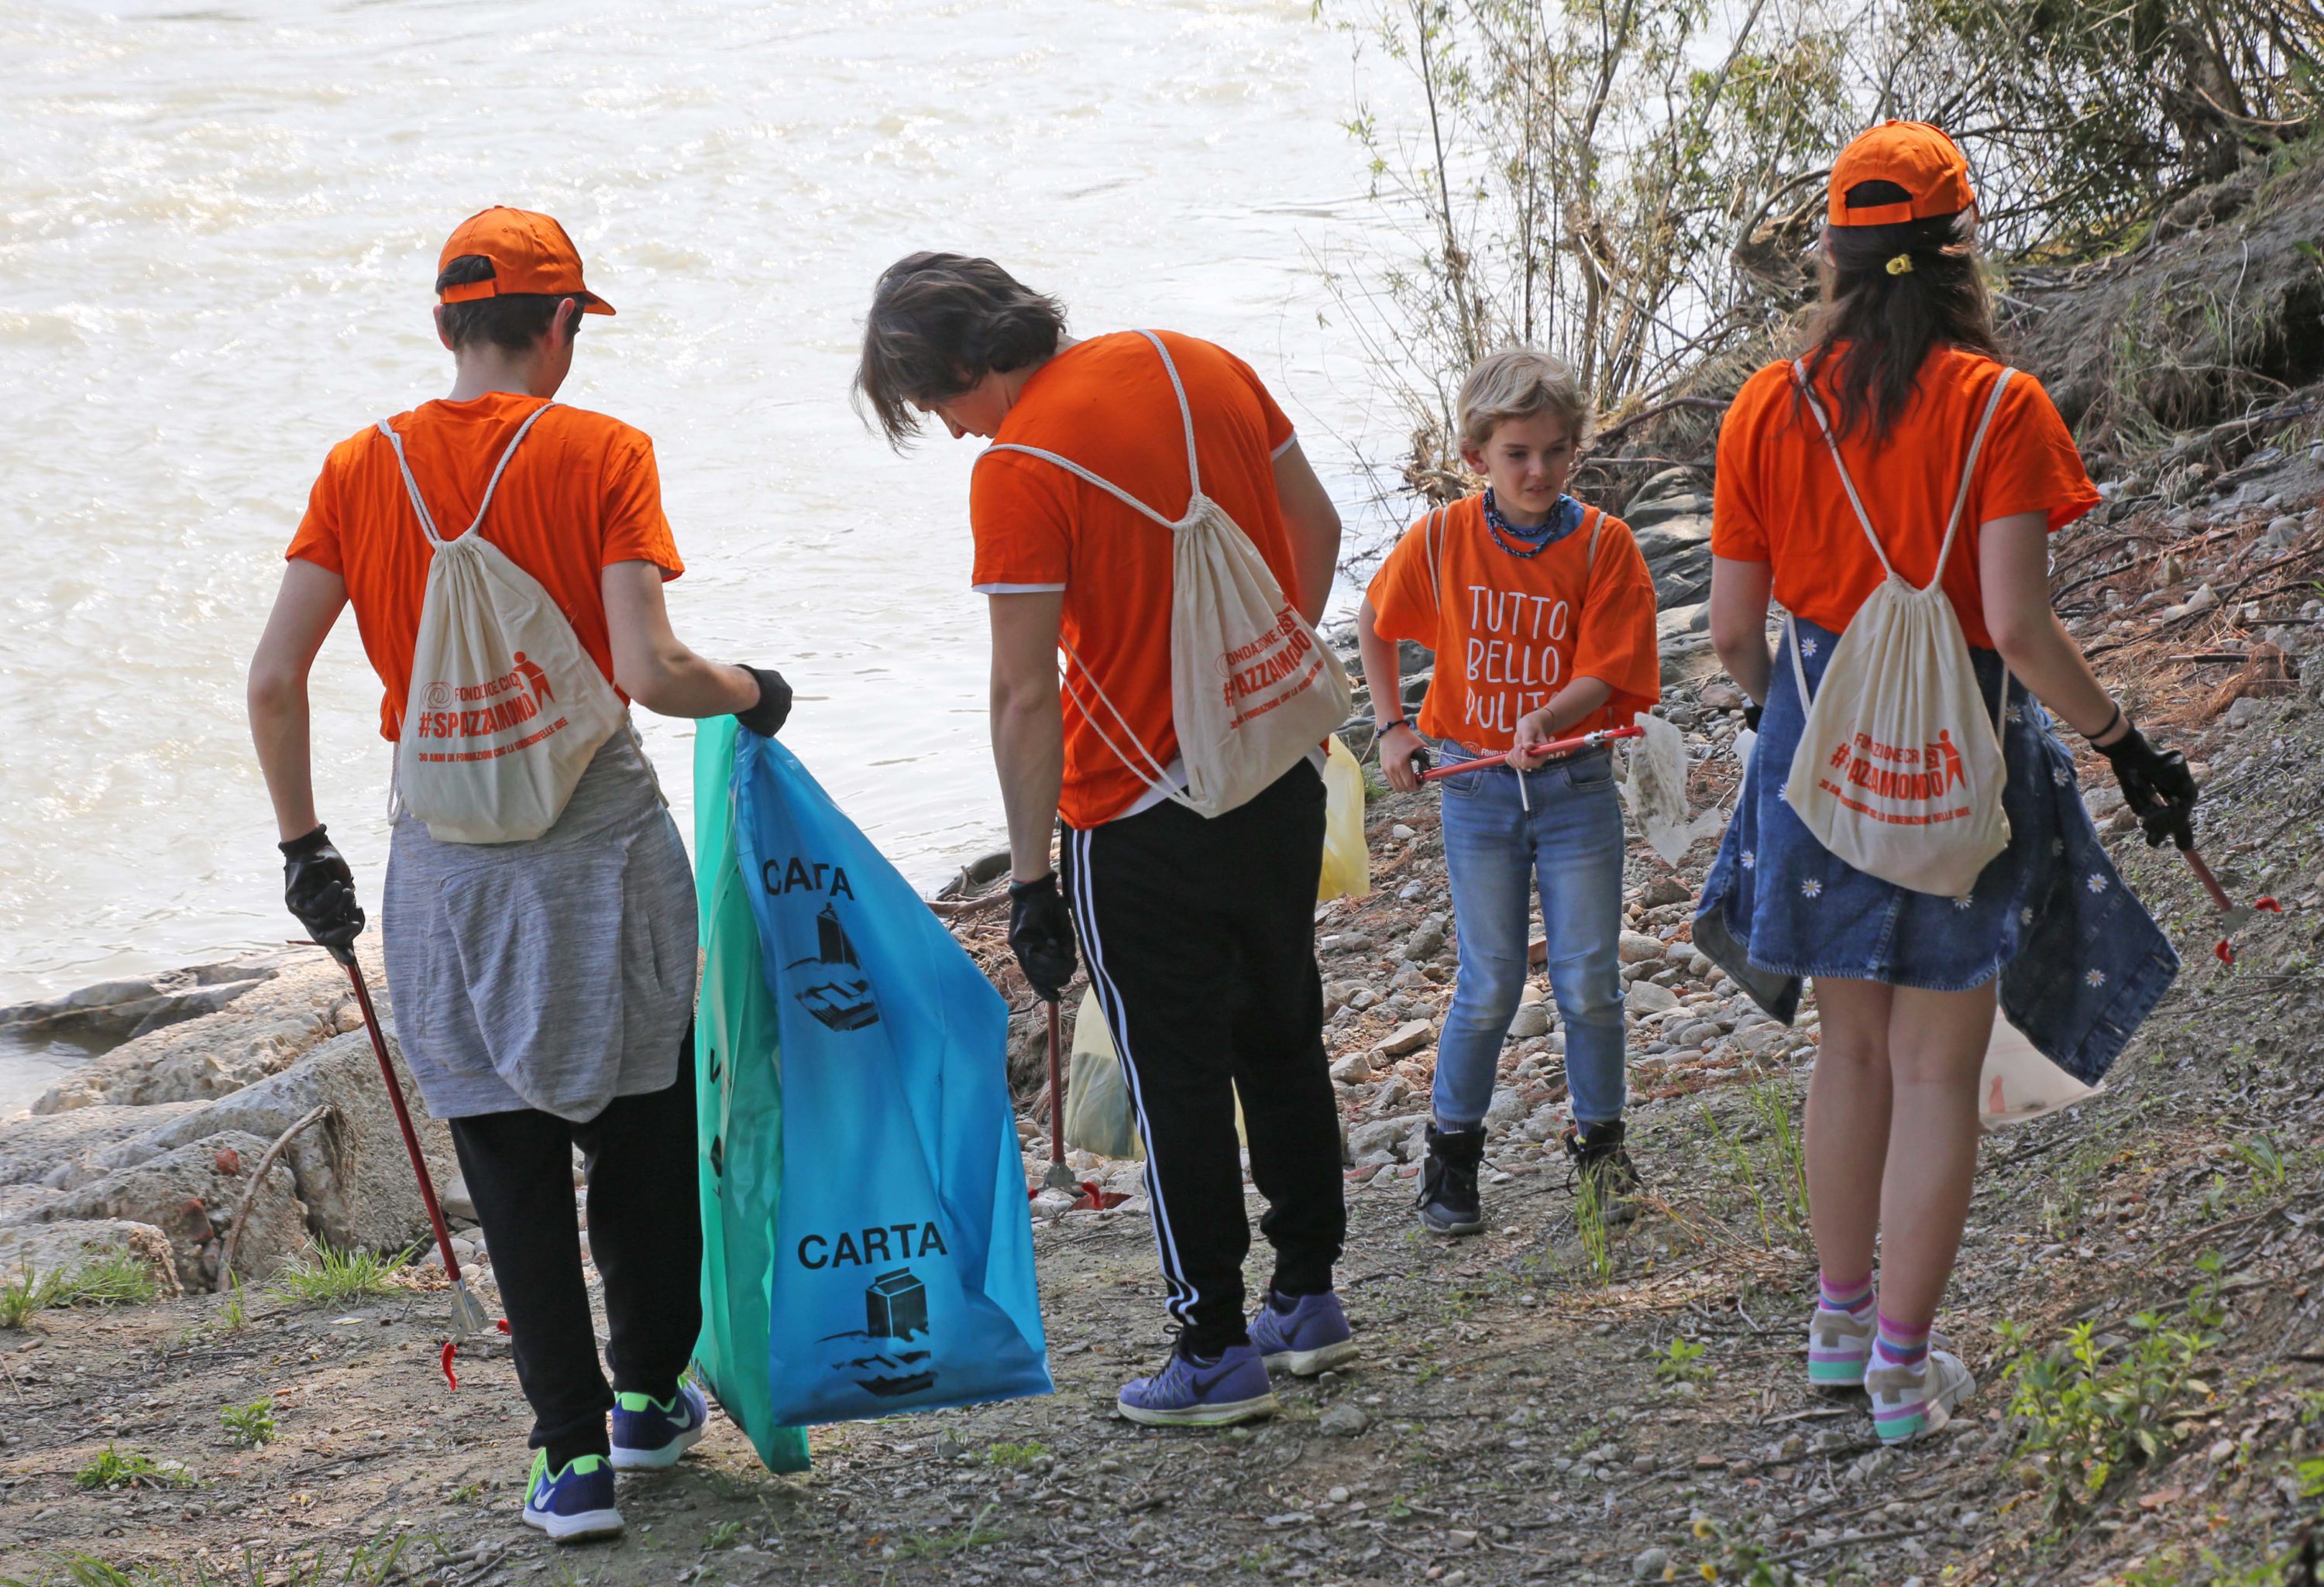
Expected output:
(1518, 383)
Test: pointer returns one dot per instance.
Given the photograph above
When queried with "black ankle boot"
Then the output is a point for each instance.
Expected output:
(1598, 1154)
(1448, 1181)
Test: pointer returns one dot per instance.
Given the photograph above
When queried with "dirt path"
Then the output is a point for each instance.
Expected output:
(1536, 1405)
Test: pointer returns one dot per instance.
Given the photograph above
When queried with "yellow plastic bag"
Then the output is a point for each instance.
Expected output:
(1347, 860)
(1098, 1115)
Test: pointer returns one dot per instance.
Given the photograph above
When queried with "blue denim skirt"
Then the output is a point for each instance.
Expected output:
(2084, 962)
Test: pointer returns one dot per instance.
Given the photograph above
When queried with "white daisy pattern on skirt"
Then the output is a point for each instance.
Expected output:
(1749, 859)
(1808, 644)
(2094, 978)
(1961, 902)
(1813, 888)
(2095, 881)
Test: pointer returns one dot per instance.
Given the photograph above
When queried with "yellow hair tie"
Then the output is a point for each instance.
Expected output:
(1901, 265)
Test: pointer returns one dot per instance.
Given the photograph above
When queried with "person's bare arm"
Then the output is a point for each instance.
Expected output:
(1384, 676)
(2014, 577)
(1314, 527)
(1739, 593)
(1573, 703)
(1028, 723)
(652, 665)
(305, 608)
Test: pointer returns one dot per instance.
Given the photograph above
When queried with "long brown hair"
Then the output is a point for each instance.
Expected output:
(941, 322)
(1880, 317)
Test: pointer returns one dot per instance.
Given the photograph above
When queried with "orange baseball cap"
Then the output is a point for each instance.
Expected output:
(529, 253)
(1916, 156)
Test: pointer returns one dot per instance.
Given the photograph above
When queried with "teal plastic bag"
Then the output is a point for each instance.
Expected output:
(903, 1276)
(739, 1091)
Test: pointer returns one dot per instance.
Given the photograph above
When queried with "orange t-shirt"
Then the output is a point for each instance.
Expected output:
(1509, 632)
(581, 493)
(1107, 405)
(1779, 499)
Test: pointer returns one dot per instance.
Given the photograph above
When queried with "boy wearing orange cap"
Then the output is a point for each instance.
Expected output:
(542, 989)
(1542, 615)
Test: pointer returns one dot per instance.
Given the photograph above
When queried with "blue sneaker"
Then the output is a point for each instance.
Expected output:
(573, 1504)
(651, 1434)
(1303, 1336)
(1191, 1392)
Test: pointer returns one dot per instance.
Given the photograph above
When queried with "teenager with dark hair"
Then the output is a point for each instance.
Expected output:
(543, 990)
(1199, 930)
(1903, 363)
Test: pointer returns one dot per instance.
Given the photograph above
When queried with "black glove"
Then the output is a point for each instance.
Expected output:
(774, 707)
(2157, 787)
(1041, 936)
(1751, 716)
(320, 890)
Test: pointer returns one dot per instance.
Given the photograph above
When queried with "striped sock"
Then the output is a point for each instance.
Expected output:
(1855, 1299)
(1898, 1345)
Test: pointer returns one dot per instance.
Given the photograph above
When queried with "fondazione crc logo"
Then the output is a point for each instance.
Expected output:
(479, 710)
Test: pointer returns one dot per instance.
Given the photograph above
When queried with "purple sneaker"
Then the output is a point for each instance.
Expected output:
(1303, 1336)
(1190, 1392)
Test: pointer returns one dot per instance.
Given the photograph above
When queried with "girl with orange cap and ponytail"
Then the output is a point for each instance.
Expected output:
(1898, 447)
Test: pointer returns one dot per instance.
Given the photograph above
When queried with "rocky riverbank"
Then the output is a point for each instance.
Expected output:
(2140, 1292)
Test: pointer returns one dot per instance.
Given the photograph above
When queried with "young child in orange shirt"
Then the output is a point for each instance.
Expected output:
(1542, 615)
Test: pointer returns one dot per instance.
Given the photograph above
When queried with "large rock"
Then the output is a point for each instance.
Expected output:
(303, 1003)
(351, 1168)
(63, 1246)
(115, 1010)
(190, 1193)
(45, 1150)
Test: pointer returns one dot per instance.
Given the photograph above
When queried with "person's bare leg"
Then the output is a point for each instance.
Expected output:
(1848, 1113)
(1936, 1046)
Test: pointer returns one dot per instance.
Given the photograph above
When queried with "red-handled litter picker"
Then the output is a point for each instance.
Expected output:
(1563, 746)
(1059, 1176)
(2233, 916)
(467, 1312)
(1092, 1195)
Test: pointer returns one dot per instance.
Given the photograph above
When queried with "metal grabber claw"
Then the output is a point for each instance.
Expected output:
(2233, 916)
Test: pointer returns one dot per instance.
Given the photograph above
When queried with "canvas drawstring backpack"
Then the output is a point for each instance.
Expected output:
(506, 707)
(1899, 769)
(1252, 688)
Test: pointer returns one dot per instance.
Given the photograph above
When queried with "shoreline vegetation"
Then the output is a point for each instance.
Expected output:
(2141, 1293)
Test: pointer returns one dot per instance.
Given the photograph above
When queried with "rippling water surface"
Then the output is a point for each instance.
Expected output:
(219, 229)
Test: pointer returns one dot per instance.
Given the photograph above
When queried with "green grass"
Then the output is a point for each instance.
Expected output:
(327, 1277)
(113, 1469)
(116, 1279)
(976, 1534)
(1016, 1457)
(234, 1316)
(371, 1565)
(1589, 1226)
(1682, 1362)
(251, 1426)
(2091, 1410)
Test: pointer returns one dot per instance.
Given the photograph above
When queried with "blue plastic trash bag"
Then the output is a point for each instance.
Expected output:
(903, 1252)
(739, 1095)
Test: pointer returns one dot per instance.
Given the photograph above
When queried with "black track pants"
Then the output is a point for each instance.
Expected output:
(645, 1234)
(1200, 937)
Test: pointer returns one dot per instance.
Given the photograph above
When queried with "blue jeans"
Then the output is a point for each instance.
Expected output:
(1497, 850)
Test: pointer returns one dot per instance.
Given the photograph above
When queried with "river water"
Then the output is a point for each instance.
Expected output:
(219, 236)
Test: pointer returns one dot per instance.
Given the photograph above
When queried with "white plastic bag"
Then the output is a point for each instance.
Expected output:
(506, 708)
(2018, 1084)
(1252, 688)
(1347, 871)
(1899, 769)
(1656, 791)
(1098, 1117)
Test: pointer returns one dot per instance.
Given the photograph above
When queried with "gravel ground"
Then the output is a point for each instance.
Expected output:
(1548, 1402)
